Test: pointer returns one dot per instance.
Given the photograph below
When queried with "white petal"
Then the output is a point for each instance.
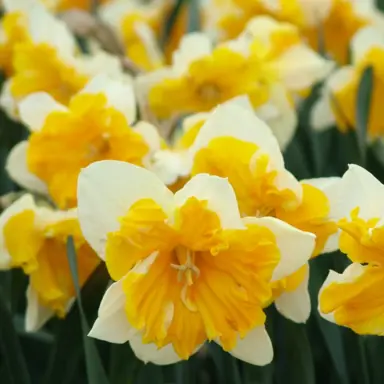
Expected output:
(339, 79)
(192, 47)
(45, 28)
(300, 67)
(321, 115)
(7, 100)
(23, 203)
(120, 95)
(364, 40)
(150, 134)
(280, 115)
(296, 305)
(190, 121)
(35, 108)
(101, 62)
(107, 189)
(18, 5)
(255, 348)
(331, 187)
(359, 188)
(224, 121)
(295, 246)
(351, 273)
(36, 313)
(219, 195)
(112, 323)
(150, 353)
(169, 166)
(17, 169)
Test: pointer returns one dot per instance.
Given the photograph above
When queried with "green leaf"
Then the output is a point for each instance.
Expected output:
(95, 371)
(363, 106)
(194, 23)
(227, 367)
(293, 354)
(68, 350)
(11, 353)
(170, 21)
(149, 373)
(123, 364)
(331, 333)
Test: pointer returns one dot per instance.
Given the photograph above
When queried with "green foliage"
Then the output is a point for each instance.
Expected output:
(316, 353)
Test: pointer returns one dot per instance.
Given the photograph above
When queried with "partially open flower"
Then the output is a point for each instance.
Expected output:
(339, 99)
(188, 267)
(34, 238)
(354, 298)
(138, 26)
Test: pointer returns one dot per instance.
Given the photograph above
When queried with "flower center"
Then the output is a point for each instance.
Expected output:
(209, 92)
(187, 270)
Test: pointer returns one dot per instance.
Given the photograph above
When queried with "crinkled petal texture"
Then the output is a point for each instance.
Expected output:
(90, 130)
(254, 165)
(34, 239)
(190, 268)
(353, 299)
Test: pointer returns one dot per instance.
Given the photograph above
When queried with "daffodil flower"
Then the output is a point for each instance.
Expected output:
(187, 267)
(49, 60)
(249, 156)
(138, 26)
(65, 5)
(338, 101)
(353, 298)
(12, 31)
(95, 126)
(268, 63)
(34, 238)
(333, 22)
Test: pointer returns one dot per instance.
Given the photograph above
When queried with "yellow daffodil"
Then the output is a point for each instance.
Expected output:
(50, 61)
(95, 126)
(353, 298)
(333, 22)
(249, 156)
(188, 267)
(338, 102)
(268, 63)
(12, 31)
(138, 25)
(65, 5)
(34, 238)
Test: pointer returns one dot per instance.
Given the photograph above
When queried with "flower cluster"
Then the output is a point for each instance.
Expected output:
(165, 162)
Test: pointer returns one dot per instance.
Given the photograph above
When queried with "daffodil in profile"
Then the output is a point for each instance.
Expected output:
(95, 126)
(187, 267)
(339, 99)
(234, 143)
(138, 25)
(353, 298)
(34, 239)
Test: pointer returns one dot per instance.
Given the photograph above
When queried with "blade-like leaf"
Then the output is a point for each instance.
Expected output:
(95, 371)
(293, 353)
(11, 353)
(363, 104)
(68, 349)
(170, 21)
(123, 364)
